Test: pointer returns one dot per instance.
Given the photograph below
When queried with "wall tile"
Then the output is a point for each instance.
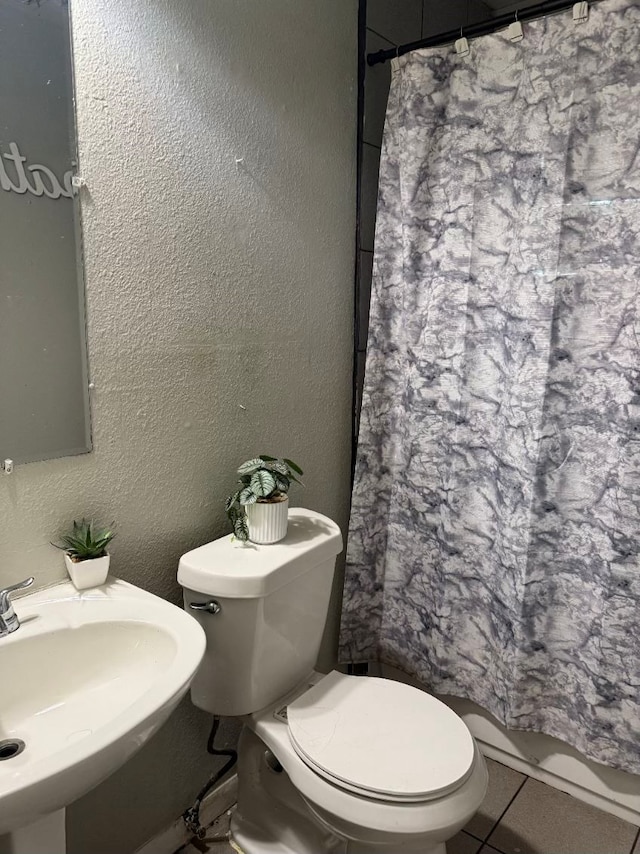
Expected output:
(364, 298)
(360, 368)
(369, 195)
(399, 21)
(440, 17)
(376, 91)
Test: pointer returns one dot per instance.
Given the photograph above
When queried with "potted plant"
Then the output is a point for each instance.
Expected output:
(85, 554)
(259, 510)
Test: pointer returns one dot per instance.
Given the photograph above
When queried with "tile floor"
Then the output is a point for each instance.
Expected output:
(523, 816)
(518, 816)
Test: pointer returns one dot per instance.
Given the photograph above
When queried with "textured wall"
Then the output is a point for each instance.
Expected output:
(219, 308)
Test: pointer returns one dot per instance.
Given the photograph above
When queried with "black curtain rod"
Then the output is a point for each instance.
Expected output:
(484, 28)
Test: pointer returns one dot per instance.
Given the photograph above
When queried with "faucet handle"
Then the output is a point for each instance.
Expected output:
(7, 591)
(7, 615)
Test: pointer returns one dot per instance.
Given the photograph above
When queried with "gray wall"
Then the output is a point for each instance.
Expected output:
(219, 310)
(391, 23)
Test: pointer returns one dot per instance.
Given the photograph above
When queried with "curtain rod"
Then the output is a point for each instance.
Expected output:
(484, 28)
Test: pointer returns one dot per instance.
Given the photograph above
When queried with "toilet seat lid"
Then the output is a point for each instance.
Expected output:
(380, 738)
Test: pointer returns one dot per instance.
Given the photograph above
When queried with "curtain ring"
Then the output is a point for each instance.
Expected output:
(462, 45)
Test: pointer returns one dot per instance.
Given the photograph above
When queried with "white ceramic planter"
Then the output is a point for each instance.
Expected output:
(267, 521)
(87, 573)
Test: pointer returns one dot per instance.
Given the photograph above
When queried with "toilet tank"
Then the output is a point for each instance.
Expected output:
(273, 602)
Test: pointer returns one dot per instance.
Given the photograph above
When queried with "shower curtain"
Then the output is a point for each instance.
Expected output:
(493, 544)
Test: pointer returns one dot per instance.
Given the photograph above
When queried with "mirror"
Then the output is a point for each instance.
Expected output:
(44, 409)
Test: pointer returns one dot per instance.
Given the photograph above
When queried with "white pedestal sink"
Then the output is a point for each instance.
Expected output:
(86, 680)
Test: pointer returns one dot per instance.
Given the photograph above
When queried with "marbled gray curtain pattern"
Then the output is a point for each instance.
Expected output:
(493, 545)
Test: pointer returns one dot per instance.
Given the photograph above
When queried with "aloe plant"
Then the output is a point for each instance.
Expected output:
(263, 478)
(85, 541)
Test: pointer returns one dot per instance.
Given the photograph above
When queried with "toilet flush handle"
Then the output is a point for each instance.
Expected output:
(211, 607)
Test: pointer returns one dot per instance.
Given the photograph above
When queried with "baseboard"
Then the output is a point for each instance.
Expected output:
(218, 801)
(582, 793)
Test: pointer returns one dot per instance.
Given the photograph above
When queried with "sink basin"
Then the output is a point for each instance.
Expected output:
(85, 681)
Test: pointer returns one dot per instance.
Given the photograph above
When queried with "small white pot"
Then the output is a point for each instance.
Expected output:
(267, 521)
(87, 573)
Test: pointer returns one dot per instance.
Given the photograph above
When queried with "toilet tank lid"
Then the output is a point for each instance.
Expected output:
(239, 570)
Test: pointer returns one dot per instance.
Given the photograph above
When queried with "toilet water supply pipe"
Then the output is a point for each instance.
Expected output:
(191, 817)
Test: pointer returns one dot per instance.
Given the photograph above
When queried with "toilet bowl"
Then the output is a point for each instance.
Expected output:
(327, 763)
(312, 760)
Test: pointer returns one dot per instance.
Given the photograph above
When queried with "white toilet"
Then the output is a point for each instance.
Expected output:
(335, 763)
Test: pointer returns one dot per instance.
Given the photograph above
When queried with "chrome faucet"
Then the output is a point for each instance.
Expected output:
(9, 621)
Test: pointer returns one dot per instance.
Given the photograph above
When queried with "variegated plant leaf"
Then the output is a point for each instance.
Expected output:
(262, 483)
(282, 484)
(231, 500)
(247, 496)
(278, 466)
(251, 466)
(240, 528)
